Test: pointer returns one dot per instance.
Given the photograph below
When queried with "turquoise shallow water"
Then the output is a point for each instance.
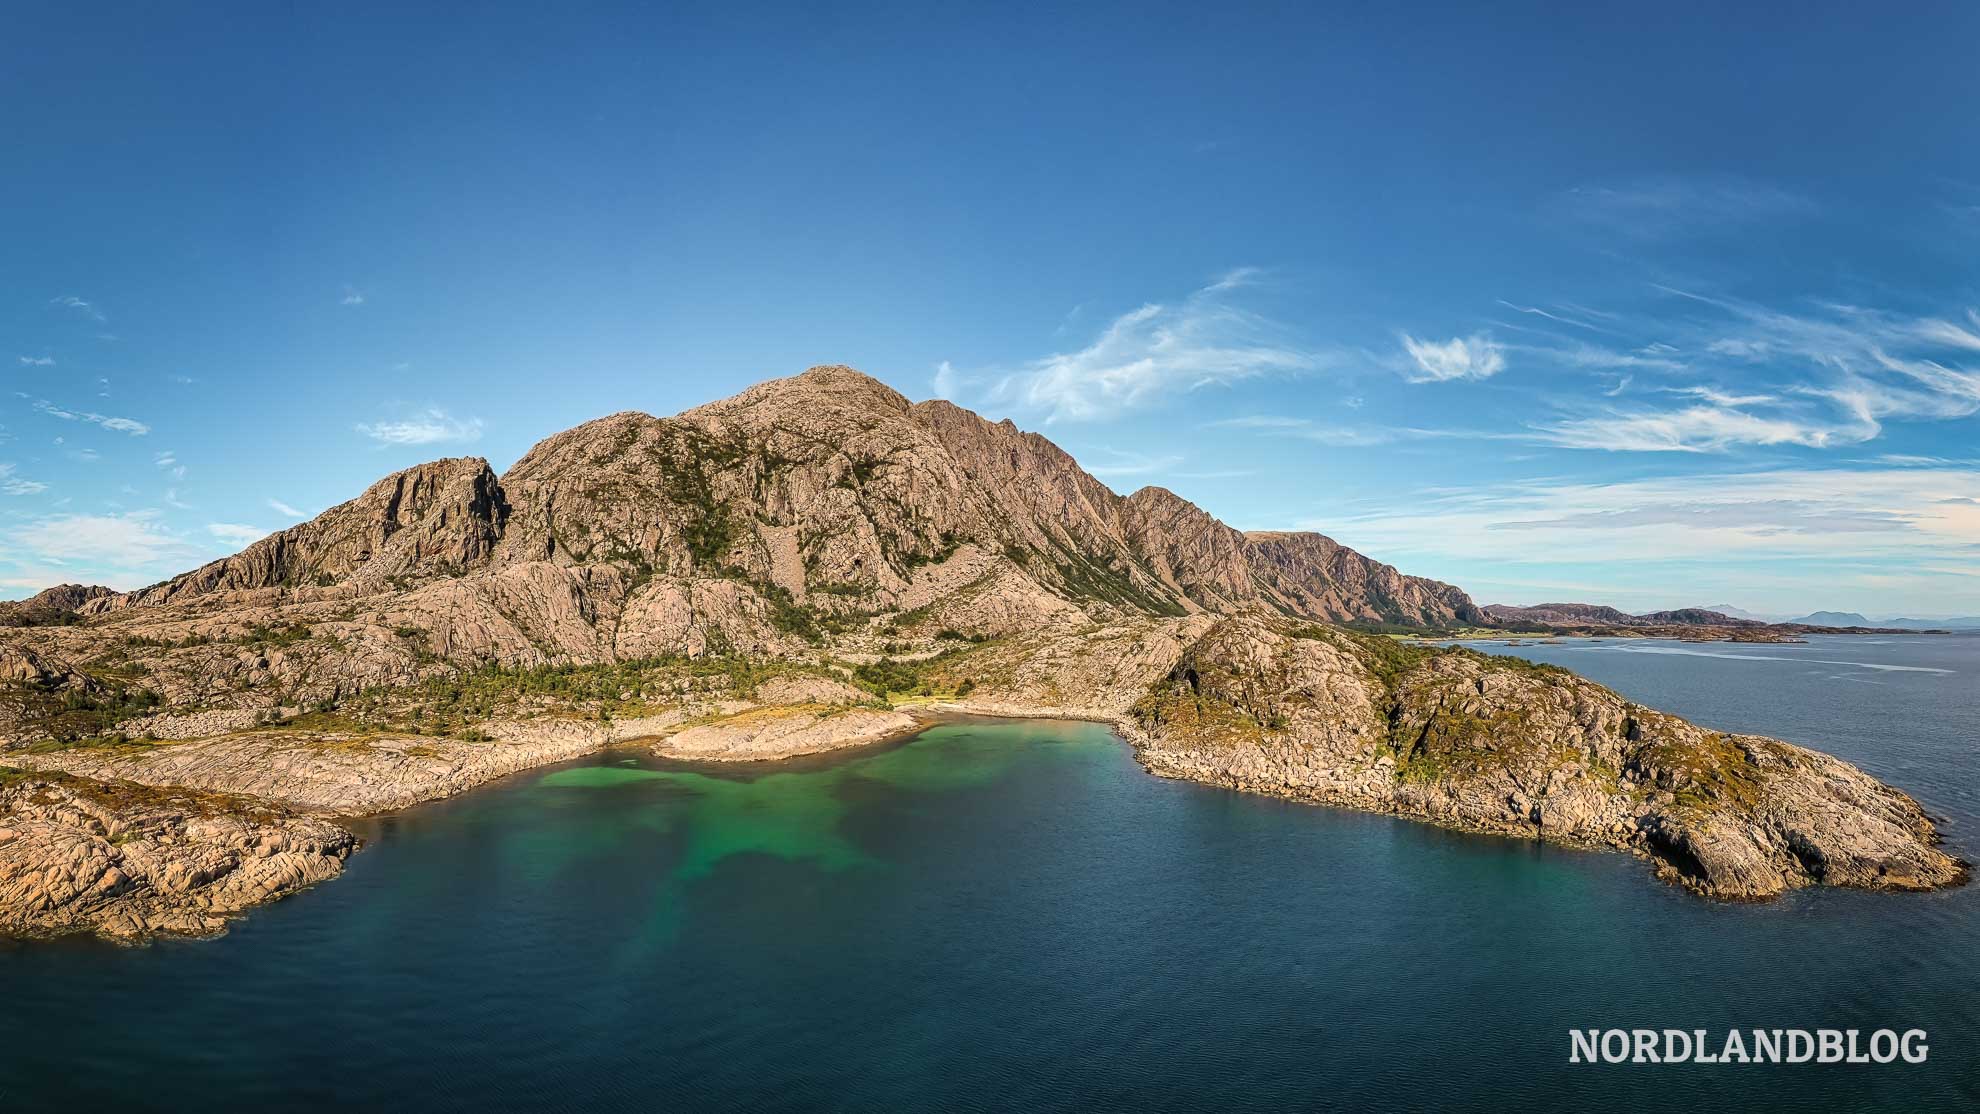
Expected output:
(1014, 916)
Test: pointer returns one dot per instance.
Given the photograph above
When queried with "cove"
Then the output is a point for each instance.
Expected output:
(993, 915)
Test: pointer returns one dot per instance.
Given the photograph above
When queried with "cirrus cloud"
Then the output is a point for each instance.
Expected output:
(117, 425)
(1472, 357)
(123, 545)
(1155, 352)
(11, 484)
(235, 533)
(429, 427)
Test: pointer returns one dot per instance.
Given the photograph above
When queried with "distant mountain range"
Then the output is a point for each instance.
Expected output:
(1732, 612)
(1852, 619)
(1716, 615)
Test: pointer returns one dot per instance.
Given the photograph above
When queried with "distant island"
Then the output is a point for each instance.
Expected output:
(1850, 620)
(813, 564)
(1694, 624)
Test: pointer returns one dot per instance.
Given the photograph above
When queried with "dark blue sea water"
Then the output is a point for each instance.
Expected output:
(1012, 916)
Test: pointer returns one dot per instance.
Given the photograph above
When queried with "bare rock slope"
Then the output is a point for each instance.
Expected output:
(129, 862)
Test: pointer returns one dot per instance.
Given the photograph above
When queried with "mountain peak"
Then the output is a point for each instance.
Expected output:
(834, 385)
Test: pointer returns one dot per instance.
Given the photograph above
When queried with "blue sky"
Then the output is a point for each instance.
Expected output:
(1591, 303)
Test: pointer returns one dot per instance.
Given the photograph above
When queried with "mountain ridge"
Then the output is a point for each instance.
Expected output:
(980, 482)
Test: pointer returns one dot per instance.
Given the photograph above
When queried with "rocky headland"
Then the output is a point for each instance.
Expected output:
(129, 862)
(813, 564)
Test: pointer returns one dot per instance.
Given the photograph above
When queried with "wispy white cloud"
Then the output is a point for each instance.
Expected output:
(234, 533)
(38, 361)
(1693, 429)
(1934, 331)
(70, 301)
(1262, 421)
(1473, 357)
(1340, 436)
(1581, 354)
(946, 382)
(1718, 397)
(135, 542)
(1550, 315)
(282, 508)
(1120, 464)
(1838, 374)
(118, 425)
(11, 484)
(1156, 352)
(430, 427)
(1914, 460)
(1796, 532)
(352, 297)
(1305, 429)
(1671, 206)
(1793, 511)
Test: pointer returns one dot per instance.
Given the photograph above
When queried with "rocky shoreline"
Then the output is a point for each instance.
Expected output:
(130, 862)
(177, 839)
(1505, 747)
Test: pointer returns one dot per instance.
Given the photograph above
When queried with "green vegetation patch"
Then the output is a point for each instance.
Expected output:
(72, 716)
(451, 706)
(1706, 774)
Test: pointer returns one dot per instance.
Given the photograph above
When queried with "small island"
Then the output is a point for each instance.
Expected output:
(814, 564)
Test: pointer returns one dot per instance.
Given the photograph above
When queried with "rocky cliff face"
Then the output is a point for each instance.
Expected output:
(1308, 574)
(436, 518)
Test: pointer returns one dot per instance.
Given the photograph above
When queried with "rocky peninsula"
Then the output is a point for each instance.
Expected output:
(813, 564)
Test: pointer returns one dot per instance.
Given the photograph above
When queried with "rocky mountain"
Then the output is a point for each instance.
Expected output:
(436, 518)
(51, 606)
(1695, 617)
(1958, 622)
(1731, 612)
(1833, 619)
(827, 498)
(1847, 620)
(1557, 614)
(799, 567)
(1576, 615)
